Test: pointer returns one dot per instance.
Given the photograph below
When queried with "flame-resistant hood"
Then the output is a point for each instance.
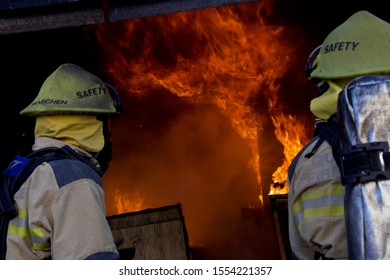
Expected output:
(85, 132)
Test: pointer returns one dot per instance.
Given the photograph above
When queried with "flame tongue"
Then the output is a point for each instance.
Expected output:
(127, 202)
(292, 134)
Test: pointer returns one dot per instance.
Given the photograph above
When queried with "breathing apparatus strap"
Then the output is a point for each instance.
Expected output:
(328, 131)
(365, 162)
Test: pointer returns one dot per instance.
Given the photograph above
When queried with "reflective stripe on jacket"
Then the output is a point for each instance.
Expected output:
(316, 205)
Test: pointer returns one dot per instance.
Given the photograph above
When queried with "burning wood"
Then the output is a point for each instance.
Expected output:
(279, 188)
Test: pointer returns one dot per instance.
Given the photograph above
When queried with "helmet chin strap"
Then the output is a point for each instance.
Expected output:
(309, 67)
(104, 156)
(116, 98)
(322, 88)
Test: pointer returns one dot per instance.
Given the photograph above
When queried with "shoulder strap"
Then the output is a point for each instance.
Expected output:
(32, 161)
(324, 131)
(294, 162)
(329, 131)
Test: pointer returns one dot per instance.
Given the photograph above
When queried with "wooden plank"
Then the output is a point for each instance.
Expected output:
(153, 234)
(279, 204)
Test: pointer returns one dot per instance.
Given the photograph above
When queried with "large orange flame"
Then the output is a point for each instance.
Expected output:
(228, 56)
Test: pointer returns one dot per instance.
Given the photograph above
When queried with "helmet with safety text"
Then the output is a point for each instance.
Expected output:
(75, 106)
(72, 90)
(359, 46)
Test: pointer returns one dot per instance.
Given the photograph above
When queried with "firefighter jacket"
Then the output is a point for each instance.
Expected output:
(61, 212)
(316, 204)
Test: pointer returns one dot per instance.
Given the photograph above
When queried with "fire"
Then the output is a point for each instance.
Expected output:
(292, 134)
(227, 56)
(127, 202)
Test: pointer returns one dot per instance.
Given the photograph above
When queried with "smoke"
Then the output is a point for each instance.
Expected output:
(170, 151)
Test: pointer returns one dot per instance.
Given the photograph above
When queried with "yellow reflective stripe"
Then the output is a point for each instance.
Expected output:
(36, 232)
(38, 240)
(21, 229)
(297, 207)
(40, 246)
(324, 211)
(327, 191)
(18, 231)
(22, 213)
(315, 194)
(309, 204)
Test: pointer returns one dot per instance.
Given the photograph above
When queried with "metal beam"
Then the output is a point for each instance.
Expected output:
(125, 12)
(26, 4)
(50, 21)
(18, 16)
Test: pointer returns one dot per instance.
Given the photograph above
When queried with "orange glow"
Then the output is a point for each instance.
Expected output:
(127, 202)
(227, 56)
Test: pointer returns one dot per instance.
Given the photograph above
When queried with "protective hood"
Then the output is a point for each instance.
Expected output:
(85, 132)
(326, 104)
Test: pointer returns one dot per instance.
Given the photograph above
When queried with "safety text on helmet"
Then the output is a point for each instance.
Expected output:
(92, 92)
(49, 101)
(340, 47)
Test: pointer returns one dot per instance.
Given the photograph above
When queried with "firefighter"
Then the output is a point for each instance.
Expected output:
(61, 207)
(317, 226)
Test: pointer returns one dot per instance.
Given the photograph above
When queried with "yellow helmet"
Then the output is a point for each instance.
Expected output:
(72, 90)
(359, 46)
